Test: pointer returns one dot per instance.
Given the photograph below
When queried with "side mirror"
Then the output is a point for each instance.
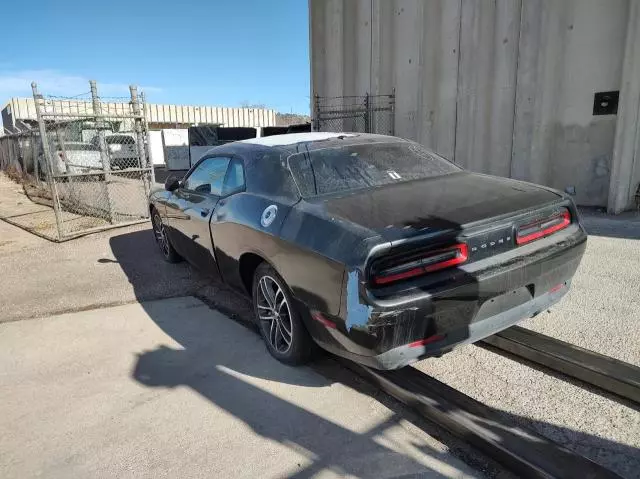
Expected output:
(172, 183)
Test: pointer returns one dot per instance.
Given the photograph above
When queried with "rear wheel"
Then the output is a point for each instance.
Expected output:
(160, 233)
(280, 325)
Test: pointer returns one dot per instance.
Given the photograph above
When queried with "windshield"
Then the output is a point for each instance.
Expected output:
(352, 167)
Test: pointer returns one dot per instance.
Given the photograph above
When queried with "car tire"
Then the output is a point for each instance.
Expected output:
(284, 333)
(162, 239)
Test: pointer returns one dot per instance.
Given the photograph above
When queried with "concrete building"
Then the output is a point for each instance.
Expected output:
(520, 88)
(19, 112)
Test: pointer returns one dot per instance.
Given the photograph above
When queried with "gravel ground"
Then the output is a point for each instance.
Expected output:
(601, 313)
(596, 427)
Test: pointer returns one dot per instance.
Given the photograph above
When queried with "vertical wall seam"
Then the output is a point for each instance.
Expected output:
(455, 117)
(311, 43)
(515, 93)
(371, 47)
(635, 146)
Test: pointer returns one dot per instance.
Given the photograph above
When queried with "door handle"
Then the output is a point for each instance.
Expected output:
(203, 212)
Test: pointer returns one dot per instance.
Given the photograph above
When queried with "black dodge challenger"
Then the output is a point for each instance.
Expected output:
(370, 246)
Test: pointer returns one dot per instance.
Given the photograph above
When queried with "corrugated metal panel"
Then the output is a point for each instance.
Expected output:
(24, 109)
(503, 87)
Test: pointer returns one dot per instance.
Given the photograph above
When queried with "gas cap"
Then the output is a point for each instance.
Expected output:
(268, 215)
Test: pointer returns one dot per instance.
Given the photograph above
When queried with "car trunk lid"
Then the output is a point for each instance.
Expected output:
(438, 204)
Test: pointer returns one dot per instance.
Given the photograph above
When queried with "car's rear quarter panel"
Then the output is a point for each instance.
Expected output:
(289, 244)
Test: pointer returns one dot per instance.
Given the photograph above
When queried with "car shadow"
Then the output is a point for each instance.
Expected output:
(229, 374)
(227, 365)
(222, 363)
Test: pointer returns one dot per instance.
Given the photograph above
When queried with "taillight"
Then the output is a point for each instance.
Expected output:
(541, 228)
(429, 262)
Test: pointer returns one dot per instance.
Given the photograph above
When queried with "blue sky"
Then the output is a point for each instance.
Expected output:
(222, 53)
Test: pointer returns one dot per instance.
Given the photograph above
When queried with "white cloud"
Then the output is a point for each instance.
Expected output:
(53, 82)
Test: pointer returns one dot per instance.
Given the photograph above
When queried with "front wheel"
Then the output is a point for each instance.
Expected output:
(166, 248)
(280, 325)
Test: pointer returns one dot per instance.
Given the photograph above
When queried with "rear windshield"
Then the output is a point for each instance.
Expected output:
(332, 170)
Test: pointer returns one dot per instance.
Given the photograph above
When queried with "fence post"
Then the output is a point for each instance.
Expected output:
(102, 145)
(145, 130)
(316, 112)
(392, 101)
(367, 114)
(34, 157)
(137, 120)
(37, 98)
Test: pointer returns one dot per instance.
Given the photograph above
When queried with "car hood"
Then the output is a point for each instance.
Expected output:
(447, 202)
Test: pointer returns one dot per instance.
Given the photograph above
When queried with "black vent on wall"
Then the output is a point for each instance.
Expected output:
(605, 103)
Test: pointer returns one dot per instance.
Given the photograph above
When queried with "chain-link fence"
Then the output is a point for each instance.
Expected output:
(364, 114)
(86, 160)
(19, 154)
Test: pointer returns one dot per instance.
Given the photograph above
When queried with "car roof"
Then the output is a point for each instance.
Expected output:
(291, 143)
(294, 138)
(298, 142)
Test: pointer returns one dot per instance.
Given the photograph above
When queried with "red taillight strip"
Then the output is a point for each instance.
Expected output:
(398, 276)
(565, 218)
(425, 341)
(461, 256)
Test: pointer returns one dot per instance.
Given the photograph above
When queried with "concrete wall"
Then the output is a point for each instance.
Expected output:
(568, 51)
(504, 86)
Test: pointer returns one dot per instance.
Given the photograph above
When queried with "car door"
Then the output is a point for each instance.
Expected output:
(190, 209)
(228, 215)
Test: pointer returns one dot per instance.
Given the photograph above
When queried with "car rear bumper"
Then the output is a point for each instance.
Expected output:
(408, 353)
(479, 304)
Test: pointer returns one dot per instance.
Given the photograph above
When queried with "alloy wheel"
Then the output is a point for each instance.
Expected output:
(161, 235)
(274, 314)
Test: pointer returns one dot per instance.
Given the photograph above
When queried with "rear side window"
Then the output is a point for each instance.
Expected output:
(234, 181)
(353, 167)
(269, 175)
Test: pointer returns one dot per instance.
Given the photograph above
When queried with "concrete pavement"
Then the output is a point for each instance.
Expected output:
(114, 267)
(172, 388)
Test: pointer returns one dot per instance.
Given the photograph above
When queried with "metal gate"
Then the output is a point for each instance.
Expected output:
(92, 166)
(364, 114)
